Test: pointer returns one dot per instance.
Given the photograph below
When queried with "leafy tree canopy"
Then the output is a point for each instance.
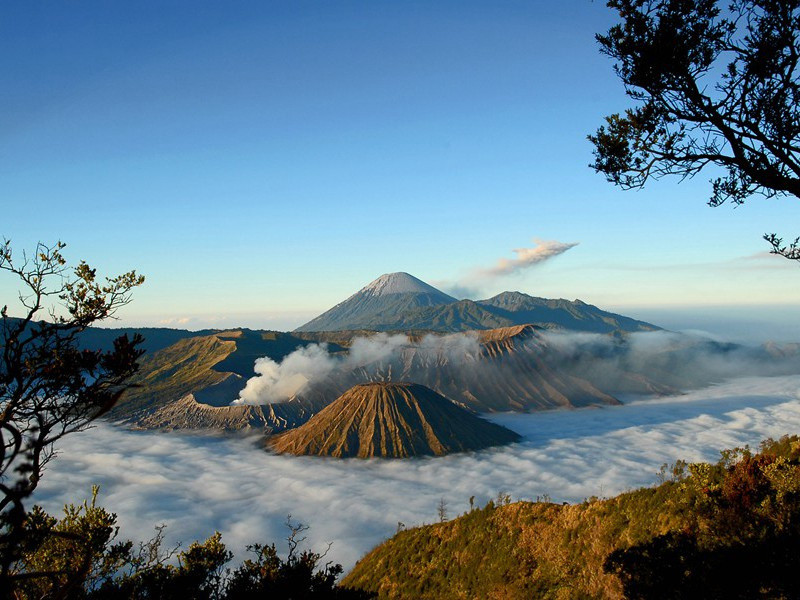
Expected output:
(49, 385)
(712, 85)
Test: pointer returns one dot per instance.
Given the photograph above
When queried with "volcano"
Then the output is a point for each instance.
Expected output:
(391, 420)
(379, 302)
(401, 302)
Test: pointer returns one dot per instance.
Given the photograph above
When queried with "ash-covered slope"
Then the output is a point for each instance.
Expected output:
(391, 420)
(381, 301)
(188, 413)
(507, 369)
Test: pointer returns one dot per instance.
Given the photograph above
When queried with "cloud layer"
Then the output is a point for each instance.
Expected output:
(199, 483)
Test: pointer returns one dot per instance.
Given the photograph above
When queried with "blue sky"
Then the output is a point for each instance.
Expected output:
(261, 161)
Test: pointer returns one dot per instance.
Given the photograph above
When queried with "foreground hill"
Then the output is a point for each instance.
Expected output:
(401, 302)
(391, 420)
(729, 530)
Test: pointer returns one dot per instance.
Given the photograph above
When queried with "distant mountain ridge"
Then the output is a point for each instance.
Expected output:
(401, 302)
(390, 294)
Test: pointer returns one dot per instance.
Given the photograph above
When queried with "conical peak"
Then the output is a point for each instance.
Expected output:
(388, 391)
(398, 283)
(390, 419)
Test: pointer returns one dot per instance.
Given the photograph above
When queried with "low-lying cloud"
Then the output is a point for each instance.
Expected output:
(200, 483)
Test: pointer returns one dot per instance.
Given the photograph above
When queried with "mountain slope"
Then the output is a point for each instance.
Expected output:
(391, 420)
(190, 384)
(562, 314)
(489, 371)
(723, 531)
(389, 295)
(464, 315)
(401, 302)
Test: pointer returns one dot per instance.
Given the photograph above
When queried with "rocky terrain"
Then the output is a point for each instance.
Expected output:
(391, 420)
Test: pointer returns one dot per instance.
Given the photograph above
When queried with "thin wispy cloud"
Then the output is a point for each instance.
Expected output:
(197, 484)
(543, 250)
(475, 282)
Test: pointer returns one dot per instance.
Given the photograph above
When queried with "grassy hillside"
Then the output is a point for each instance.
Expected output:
(173, 372)
(727, 530)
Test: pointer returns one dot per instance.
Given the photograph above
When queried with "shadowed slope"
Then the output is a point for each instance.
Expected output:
(191, 384)
(574, 315)
(391, 420)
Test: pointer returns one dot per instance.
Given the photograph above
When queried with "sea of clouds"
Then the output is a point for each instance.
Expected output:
(200, 483)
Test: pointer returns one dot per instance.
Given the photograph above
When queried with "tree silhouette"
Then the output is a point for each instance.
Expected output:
(49, 385)
(712, 87)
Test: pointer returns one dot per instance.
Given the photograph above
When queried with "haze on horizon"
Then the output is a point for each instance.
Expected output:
(260, 162)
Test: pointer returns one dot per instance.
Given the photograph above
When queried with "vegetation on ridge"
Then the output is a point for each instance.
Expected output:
(80, 557)
(724, 530)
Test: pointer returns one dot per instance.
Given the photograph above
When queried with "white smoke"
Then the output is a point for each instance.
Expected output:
(278, 382)
(478, 280)
(527, 257)
(615, 365)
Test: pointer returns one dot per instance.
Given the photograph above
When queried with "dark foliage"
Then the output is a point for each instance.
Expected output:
(713, 84)
(676, 566)
(49, 385)
(748, 544)
(80, 557)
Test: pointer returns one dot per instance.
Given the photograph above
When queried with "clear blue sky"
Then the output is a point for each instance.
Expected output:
(260, 161)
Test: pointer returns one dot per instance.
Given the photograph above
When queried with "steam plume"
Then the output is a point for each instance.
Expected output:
(527, 257)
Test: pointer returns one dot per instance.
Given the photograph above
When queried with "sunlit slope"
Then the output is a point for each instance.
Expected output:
(191, 384)
(173, 372)
(391, 420)
(729, 530)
